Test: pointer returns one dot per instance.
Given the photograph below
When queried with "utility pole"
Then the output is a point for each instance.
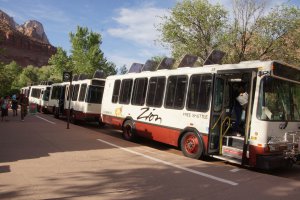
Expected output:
(67, 77)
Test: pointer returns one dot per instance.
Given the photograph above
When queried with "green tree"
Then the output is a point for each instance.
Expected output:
(123, 69)
(255, 35)
(87, 56)
(46, 73)
(194, 27)
(240, 33)
(13, 70)
(9, 78)
(157, 59)
(110, 69)
(61, 62)
(4, 81)
(278, 35)
(29, 75)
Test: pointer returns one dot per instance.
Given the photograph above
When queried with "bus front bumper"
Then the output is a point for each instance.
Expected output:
(280, 161)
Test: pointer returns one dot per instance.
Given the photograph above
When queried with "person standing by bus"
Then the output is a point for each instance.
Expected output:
(4, 108)
(14, 105)
(23, 101)
(240, 101)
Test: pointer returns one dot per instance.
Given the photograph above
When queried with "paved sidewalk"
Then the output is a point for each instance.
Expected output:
(41, 159)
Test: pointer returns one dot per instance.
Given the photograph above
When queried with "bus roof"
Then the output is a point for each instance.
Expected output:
(255, 64)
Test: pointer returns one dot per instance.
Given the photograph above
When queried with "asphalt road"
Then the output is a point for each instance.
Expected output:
(41, 159)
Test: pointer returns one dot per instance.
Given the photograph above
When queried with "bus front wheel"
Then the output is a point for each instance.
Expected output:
(191, 145)
(128, 131)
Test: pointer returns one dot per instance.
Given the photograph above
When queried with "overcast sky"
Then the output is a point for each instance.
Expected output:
(128, 27)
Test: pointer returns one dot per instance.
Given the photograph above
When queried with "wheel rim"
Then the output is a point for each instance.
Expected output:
(191, 144)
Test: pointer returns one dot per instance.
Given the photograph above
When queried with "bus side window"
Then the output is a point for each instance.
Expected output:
(68, 92)
(82, 92)
(125, 93)
(199, 93)
(175, 93)
(156, 91)
(139, 91)
(115, 96)
(75, 92)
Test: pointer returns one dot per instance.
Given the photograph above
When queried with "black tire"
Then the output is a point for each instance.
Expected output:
(73, 118)
(38, 108)
(101, 124)
(56, 113)
(192, 145)
(128, 131)
(44, 110)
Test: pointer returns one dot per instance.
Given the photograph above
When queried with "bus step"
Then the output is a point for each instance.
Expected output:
(233, 141)
(232, 152)
(228, 159)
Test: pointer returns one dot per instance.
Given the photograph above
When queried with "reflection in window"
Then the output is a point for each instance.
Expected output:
(95, 94)
(139, 91)
(46, 94)
(82, 92)
(176, 90)
(115, 96)
(156, 91)
(125, 91)
(219, 91)
(199, 93)
(278, 100)
(75, 92)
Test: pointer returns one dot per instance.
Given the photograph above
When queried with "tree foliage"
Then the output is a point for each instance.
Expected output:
(278, 36)
(9, 77)
(158, 59)
(123, 69)
(29, 75)
(87, 56)
(250, 33)
(60, 62)
(194, 27)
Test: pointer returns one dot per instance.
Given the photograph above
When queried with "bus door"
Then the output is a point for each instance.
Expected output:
(217, 114)
(61, 101)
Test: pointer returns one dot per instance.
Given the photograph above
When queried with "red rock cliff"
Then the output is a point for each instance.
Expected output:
(26, 44)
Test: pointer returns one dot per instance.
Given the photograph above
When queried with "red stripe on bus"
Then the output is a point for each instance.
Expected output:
(155, 132)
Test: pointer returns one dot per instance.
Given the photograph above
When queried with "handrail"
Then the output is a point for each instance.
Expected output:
(221, 134)
(214, 126)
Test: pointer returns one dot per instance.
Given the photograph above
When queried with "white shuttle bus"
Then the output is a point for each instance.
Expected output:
(25, 90)
(86, 98)
(57, 98)
(39, 95)
(198, 109)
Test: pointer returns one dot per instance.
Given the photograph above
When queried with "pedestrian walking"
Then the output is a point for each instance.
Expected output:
(14, 105)
(23, 101)
(4, 108)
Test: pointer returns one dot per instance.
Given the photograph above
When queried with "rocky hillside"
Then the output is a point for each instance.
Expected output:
(27, 44)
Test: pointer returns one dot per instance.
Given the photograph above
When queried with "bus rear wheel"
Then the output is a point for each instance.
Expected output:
(128, 131)
(191, 145)
(100, 123)
(73, 117)
(56, 113)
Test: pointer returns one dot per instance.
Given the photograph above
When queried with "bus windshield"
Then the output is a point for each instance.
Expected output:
(46, 94)
(95, 94)
(279, 100)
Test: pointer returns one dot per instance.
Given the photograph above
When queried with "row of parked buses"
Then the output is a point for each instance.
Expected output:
(191, 108)
(85, 99)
